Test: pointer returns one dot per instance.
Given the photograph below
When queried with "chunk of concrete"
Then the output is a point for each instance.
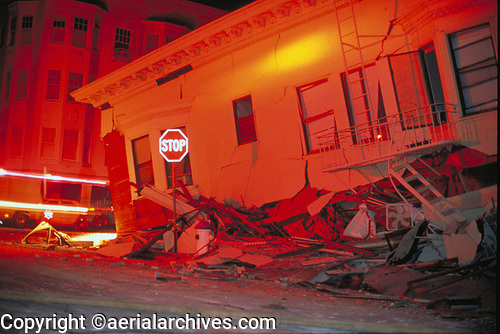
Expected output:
(463, 243)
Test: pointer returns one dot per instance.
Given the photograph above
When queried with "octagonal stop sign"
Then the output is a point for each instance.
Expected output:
(173, 145)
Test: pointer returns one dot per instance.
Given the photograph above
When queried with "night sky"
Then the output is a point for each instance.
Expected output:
(229, 5)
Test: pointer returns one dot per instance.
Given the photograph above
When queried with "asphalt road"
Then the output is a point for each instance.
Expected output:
(66, 286)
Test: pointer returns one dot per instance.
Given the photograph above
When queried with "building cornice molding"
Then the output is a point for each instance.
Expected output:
(433, 10)
(257, 21)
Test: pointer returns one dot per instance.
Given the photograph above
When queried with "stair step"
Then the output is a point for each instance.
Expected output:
(425, 188)
(345, 19)
(401, 166)
(440, 199)
(356, 81)
(413, 177)
(448, 211)
(352, 66)
(360, 96)
(348, 34)
(351, 48)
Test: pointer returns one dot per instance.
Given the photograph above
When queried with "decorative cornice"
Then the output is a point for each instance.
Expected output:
(433, 10)
(257, 20)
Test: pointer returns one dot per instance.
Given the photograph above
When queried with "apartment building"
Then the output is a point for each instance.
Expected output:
(333, 94)
(50, 144)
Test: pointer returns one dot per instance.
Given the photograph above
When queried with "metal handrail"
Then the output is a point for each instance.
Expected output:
(390, 135)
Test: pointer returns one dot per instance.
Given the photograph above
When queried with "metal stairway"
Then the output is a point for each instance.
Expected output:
(353, 61)
(441, 212)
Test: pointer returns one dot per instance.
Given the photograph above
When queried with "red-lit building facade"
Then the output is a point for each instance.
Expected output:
(330, 93)
(48, 48)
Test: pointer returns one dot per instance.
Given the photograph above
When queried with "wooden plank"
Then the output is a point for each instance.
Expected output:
(185, 191)
(246, 221)
(338, 252)
(256, 260)
(352, 249)
(300, 251)
(319, 261)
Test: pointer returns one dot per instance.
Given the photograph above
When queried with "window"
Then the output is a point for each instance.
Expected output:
(476, 69)
(26, 29)
(122, 39)
(3, 140)
(2, 36)
(418, 88)
(48, 143)
(142, 161)
(58, 29)
(12, 30)
(169, 39)
(182, 169)
(16, 143)
(53, 84)
(80, 28)
(70, 144)
(122, 45)
(365, 105)
(151, 42)
(96, 36)
(67, 191)
(75, 81)
(7, 85)
(22, 84)
(435, 88)
(86, 148)
(316, 112)
(243, 115)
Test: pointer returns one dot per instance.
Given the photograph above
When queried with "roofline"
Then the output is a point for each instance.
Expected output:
(258, 20)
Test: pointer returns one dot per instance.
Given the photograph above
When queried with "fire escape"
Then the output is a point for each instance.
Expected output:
(396, 140)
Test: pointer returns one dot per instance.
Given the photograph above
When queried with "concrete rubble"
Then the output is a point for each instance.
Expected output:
(336, 243)
(284, 243)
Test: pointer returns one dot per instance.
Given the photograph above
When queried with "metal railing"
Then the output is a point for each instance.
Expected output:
(419, 128)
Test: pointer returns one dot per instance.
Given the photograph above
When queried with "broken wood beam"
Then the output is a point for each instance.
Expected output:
(185, 191)
(235, 218)
(300, 251)
(337, 252)
(142, 247)
(246, 221)
(336, 245)
(412, 285)
(319, 261)
(344, 293)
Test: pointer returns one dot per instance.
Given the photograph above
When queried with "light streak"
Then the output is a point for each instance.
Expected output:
(43, 207)
(97, 238)
(50, 177)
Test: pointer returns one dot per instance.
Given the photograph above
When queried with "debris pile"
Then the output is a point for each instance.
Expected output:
(46, 235)
(397, 241)
(343, 248)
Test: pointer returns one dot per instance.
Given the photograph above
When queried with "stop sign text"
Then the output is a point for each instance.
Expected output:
(173, 145)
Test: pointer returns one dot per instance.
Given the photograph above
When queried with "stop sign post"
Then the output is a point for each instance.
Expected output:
(174, 148)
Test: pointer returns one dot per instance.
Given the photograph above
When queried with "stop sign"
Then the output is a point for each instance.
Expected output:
(173, 145)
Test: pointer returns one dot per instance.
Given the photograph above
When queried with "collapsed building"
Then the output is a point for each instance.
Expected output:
(327, 119)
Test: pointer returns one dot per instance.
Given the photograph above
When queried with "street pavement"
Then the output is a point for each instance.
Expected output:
(59, 284)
